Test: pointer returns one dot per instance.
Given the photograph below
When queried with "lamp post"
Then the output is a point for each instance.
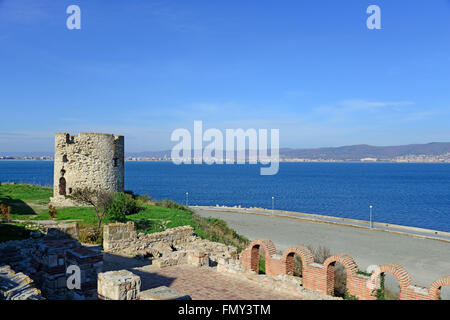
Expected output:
(273, 203)
(187, 199)
(371, 222)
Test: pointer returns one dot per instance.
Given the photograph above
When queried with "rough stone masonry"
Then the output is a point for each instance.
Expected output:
(92, 160)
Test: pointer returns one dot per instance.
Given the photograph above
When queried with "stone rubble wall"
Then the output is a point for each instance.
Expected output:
(45, 261)
(17, 286)
(122, 237)
(167, 248)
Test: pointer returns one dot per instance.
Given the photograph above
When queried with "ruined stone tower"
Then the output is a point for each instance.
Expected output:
(93, 160)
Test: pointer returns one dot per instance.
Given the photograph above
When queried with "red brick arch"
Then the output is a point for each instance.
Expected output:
(435, 288)
(288, 258)
(269, 251)
(349, 264)
(402, 275)
(350, 269)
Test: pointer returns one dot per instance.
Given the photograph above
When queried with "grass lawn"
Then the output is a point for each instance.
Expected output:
(24, 199)
(30, 203)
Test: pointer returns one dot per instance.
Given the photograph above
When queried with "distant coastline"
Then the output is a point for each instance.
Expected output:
(281, 160)
(434, 152)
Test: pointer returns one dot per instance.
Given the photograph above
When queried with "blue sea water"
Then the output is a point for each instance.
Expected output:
(407, 194)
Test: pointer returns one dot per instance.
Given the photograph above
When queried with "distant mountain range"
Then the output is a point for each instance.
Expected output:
(349, 153)
(355, 152)
(358, 152)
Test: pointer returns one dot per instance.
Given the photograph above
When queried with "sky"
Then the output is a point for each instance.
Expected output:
(311, 69)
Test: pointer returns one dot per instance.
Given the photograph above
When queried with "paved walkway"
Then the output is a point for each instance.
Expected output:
(379, 226)
(207, 284)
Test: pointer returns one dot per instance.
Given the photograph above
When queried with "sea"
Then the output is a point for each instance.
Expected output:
(411, 194)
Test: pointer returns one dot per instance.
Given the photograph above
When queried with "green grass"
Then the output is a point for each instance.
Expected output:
(25, 192)
(28, 200)
(84, 215)
(24, 199)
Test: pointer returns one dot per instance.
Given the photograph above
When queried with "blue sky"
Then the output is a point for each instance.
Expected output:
(144, 68)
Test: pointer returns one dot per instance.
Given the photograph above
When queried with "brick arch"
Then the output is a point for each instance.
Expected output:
(435, 288)
(350, 270)
(402, 275)
(349, 264)
(269, 251)
(288, 258)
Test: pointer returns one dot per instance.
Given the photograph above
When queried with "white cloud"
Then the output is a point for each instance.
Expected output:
(365, 104)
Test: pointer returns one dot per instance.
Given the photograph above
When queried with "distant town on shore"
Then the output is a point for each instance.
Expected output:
(436, 152)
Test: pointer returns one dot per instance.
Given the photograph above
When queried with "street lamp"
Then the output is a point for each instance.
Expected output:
(273, 203)
(371, 222)
(187, 199)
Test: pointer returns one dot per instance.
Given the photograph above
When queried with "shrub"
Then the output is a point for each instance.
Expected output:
(52, 211)
(144, 198)
(380, 294)
(165, 203)
(6, 212)
(320, 254)
(262, 263)
(348, 296)
(90, 235)
(218, 231)
(123, 204)
(99, 199)
(298, 268)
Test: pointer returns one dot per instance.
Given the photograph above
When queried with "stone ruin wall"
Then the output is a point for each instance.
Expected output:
(35, 269)
(170, 247)
(93, 160)
(41, 263)
(317, 279)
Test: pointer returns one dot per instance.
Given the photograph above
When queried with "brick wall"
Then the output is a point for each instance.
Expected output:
(320, 277)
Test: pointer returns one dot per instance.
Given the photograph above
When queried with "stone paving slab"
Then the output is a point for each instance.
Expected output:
(206, 284)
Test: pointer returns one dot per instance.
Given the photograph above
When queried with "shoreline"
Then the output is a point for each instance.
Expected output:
(355, 223)
(281, 161)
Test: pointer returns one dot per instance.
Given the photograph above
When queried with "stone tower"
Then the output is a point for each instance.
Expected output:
(93, 160)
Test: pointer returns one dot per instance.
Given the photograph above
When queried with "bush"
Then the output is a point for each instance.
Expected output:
(52, 211)
(6, 212)
(143, 198)
(320, 254)
(298, 266)
(90, 235)
(165, 203)
(218, 231)
(123, 204)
